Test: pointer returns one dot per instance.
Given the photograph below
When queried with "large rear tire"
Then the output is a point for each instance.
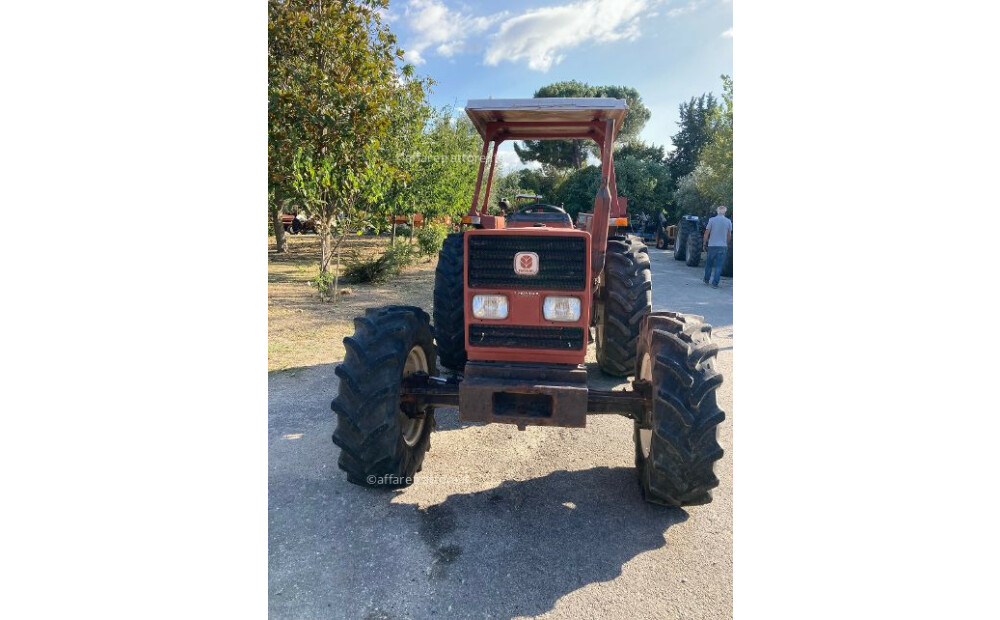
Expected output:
(680, 241)
(694, 245)
(380, 446)
(676, 447)
(449, 303)
(625, 300)
(727, 267)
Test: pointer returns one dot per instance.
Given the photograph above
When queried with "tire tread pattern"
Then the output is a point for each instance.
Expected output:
(628, 298)
(367, 404)
(685, 414)
(449, 303)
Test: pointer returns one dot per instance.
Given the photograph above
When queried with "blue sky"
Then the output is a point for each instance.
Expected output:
(670, 50)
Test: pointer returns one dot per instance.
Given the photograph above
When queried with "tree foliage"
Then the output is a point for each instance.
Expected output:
(642, 176)
(688, 199)
(572, 154)
(695, 130)
(335, 102)
(578, 190)
(445, 166)
(646, 182)
(640, 150)
(716, 178)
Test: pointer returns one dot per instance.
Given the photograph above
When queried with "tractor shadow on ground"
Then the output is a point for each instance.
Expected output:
(518, 548)
(510, 551)
(339, 550)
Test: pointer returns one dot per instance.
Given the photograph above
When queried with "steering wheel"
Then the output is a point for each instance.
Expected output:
(542, 208)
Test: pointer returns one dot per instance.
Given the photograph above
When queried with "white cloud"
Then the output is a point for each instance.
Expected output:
(687, 8)
(728, 34)
(437, 27)
(543, 36)
(508, 161)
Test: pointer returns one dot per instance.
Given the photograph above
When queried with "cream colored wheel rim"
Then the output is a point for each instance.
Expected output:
(645, 435)
(413, 428)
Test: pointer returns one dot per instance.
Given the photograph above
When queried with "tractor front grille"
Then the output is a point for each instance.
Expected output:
(526, 337)
(562, 262)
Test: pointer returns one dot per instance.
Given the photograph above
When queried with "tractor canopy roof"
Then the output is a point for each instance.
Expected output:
(544, 118)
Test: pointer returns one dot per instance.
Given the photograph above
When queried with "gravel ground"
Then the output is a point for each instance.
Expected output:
(500, 523)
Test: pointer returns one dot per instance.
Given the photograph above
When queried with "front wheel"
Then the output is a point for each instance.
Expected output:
(449, 303)
(380, 445)
(676, 446)
(626, 298)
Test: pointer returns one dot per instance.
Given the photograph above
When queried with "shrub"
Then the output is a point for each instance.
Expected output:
(378, 270)
(399, 255)
(402, 230)
(430, 238)
(324, 284)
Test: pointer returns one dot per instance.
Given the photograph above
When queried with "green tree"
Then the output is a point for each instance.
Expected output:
(400, 147)
(645, 182)
(715, 179)
(695, 131)
(445, 166)
(640, 150)
(544, 182)
(688, 199)
(572, 154)
(333, 93)
(577, 192)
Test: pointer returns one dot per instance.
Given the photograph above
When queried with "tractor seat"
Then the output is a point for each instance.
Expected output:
(540, 215)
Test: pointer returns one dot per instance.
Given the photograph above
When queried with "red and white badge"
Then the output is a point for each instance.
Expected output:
(526, 263)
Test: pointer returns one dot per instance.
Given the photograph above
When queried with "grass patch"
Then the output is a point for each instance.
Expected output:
(304, 331)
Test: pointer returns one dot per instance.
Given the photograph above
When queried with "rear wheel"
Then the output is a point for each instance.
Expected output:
(625, 300)
(380, 445)
(680, 241)
(676, 447)
(694, 245)
(449, 303)
(727, 267)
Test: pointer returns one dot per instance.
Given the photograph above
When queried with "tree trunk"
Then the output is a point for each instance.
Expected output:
(279, 230)
(336, 277)
(326, 251)
(393, 229)
(413, 225)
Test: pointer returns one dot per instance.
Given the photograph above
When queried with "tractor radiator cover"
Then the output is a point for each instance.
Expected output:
(563, 262)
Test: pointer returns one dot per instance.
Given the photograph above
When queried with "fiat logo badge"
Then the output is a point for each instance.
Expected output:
(526, 263)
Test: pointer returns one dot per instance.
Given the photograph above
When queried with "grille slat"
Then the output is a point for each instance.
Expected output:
(562, 262)
(526, 337)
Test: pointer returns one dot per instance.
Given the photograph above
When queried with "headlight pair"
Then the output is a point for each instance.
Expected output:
(554, 308)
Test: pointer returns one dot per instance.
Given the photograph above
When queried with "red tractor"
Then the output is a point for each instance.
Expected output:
(515, 298)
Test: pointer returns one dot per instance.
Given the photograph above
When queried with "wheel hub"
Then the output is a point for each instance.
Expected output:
(413, 428)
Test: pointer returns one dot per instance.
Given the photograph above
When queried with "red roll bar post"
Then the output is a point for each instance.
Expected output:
(473, 210)
(489, 179)
(602, 203)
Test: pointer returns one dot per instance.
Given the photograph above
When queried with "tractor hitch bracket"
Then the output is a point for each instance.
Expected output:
(520, 402)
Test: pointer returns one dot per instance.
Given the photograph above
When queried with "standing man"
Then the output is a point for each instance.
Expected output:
(718, 235)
